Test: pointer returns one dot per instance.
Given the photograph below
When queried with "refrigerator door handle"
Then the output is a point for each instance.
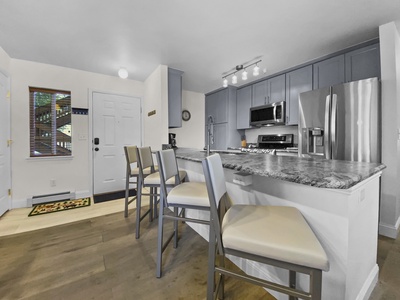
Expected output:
(333, 126)
(327, 141)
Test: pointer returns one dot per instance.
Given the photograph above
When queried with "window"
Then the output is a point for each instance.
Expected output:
(50, 122)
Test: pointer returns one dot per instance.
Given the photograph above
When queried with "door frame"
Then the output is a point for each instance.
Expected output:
(8, 134)
(90, 133)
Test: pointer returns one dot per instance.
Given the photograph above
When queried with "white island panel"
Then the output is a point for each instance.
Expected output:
(344, 220)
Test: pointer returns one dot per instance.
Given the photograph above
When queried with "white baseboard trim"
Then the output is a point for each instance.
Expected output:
(389, 230)
(21, 203)
(82, 194)
(369, 284)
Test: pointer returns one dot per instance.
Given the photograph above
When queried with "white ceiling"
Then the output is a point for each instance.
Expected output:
(205, 39)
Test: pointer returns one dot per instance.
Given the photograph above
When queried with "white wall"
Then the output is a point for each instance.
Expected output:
(156, 98)
(4, 61)
(32, 176)
(390, 76)
(191, 134)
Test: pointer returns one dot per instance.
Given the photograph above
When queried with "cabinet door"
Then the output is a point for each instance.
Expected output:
(174, 98)
(276, 89)
(221, 109)
(259, 93)
(363, 63)
(220, 136)
(216, 105)
(297, 81)
(329, 72)
(243, 105)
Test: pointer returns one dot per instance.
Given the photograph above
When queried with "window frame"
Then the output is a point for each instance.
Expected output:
(59, 144)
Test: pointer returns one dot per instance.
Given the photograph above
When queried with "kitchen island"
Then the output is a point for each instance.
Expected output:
(339, 199)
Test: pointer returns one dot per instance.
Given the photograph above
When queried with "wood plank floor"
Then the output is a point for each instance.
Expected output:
(91, 253)
(99, 258)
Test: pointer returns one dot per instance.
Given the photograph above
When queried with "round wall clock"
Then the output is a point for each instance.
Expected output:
(186, 115)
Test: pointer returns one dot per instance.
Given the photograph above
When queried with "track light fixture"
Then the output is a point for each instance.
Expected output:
(256, 72)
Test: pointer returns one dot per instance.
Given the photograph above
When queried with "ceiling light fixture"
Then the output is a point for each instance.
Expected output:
(123, 73)
(234, 78)
(256, 72)
(244, 75)
(225, 83)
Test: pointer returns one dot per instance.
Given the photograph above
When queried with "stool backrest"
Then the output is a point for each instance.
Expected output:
(168, 167)
(145, 158)
(131, 157)
(216, 187)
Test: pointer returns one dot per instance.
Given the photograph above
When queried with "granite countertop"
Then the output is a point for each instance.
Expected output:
(322, 173)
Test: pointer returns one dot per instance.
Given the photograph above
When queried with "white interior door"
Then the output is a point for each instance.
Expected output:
(116, 123)
(5, 157)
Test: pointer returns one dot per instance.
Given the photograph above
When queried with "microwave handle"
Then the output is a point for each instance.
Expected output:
(274, 112)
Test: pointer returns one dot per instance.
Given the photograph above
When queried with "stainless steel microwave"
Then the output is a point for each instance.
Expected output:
(270, 114)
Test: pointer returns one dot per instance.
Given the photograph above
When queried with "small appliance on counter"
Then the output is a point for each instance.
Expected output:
(172, 140)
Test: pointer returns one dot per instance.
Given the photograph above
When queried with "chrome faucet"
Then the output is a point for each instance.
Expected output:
(210, 133)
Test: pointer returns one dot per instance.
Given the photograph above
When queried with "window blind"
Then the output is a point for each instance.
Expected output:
(50, 122)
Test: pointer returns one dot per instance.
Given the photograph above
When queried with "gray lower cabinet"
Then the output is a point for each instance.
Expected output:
(329, 72)
(363, 63)
(174, 98)
(221, 106)
(243, 104)
(297, 81)
(269, 91)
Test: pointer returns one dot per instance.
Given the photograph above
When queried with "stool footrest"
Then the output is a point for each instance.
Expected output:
(265, 283)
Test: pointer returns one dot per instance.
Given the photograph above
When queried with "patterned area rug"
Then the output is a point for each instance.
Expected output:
(50, 207)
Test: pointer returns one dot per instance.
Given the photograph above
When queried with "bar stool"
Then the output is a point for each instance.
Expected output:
(132, 172)
(152, 181)
(274, 235)
(186, 195)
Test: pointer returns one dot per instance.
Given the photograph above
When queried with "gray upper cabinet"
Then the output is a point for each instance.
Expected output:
(174, 98)
(297, 81)
(276, 88)
(269, 91)
(217, 106)
(221, 105)
(259, 93)
(243, 104)
(363, 63)
(329, 72)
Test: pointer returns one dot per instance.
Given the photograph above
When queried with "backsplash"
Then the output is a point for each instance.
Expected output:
(252, 134)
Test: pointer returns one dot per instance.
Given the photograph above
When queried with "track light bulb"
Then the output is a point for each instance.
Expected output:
(244, 75)
(234, 79)
(256, 70)
(225, 83)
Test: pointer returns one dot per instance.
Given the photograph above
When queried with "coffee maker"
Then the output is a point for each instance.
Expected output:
(172, 140)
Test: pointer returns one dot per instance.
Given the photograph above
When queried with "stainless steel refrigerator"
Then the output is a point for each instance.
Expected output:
(341, 122)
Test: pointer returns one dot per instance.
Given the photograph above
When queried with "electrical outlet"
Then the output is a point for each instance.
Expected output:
(52, 182)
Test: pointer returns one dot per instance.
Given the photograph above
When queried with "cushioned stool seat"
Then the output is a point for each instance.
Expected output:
(189, 193)
(155, 178)
(277, 232)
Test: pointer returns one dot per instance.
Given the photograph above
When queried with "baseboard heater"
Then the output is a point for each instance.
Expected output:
(38, 199)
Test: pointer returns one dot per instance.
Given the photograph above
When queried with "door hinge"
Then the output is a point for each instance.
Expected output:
(8, 95)
(9, 142)
(9, 192)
